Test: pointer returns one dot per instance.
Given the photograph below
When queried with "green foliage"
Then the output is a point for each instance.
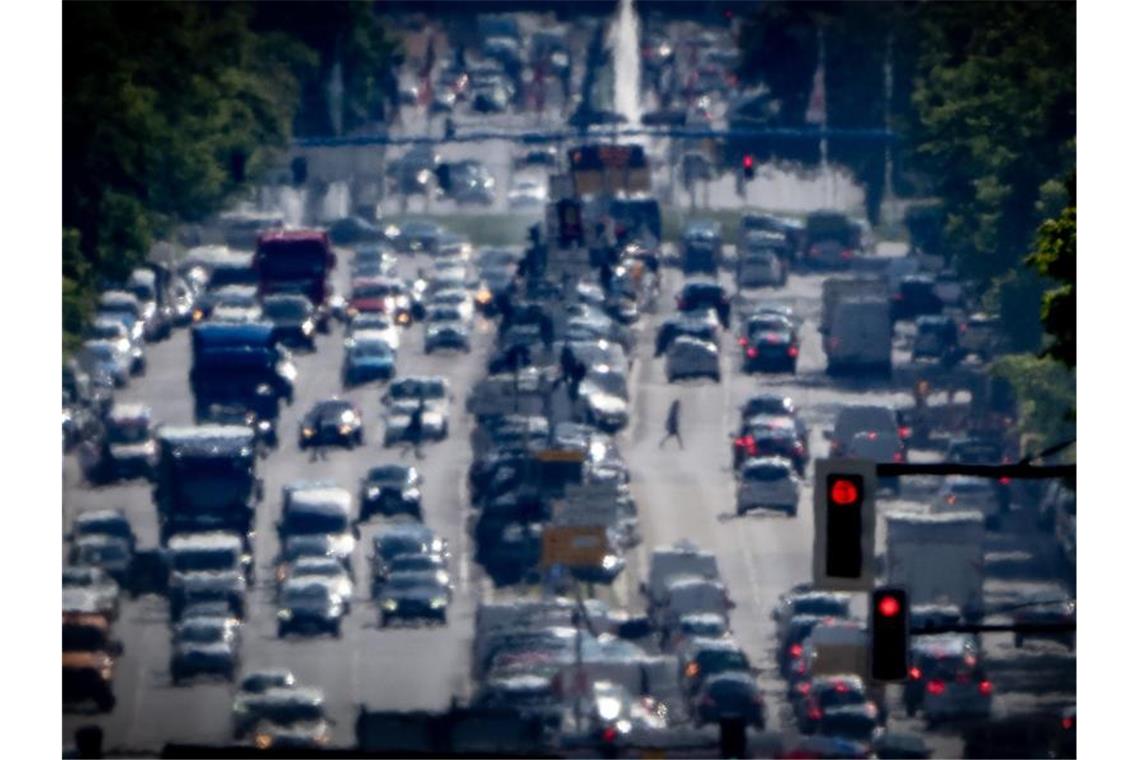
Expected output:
(1046, 395)
(1055, 257)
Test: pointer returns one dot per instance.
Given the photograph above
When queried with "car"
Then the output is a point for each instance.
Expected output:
(807, 601)
(704, 658)
(307, 604)
(235, 303)
(107, 363)
(293, 319)
(212, 566)
(373, 261)
(700, 293)
(827, 692)
(415, 235)
(446, 328)
(470, 182)
(319, 514)
(128, 448)
(354, 229)
(268, 712)
(88, 677)
(960, 493)
(419, 562)
(330, 570)
(332, 421)
(604, 397)
(112, 329)
(791, 651)
(391, 489)
(526, 193)
(87, 588)
(707, 625)
(1047, 609)
(406, 395)
(763, 436)
(916, 296)
(759, 266)
(860, 418)
(368, 355)
(458, 298)
(767, 482)
(690, 357)
(413, 596)
(774, 405)
(204, 646)
(893, 744)
(935, 338)
(879, 446)
(857, 723)
(406, 538)
(370, 295)
(111, 554)
(730, 696)
(938, 660)
(770, 350)
(702, 325)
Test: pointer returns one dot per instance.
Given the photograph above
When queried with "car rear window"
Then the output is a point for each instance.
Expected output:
(766, 473)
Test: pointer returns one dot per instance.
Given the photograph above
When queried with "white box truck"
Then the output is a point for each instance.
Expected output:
(938, 558)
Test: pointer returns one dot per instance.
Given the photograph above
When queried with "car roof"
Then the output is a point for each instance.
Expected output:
(208, 439)
(332, 499)
(211, 540)
(101, 515)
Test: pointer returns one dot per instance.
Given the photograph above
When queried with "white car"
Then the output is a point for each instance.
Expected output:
(964, 493)
(526, 193)
(690, 357)
(604, 396)
(768, 482)
(402, 398)
(460, 299)
(374, 322)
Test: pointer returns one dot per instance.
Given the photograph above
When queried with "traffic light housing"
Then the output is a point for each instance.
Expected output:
(844, 549)
(890, 634)
(748, 166)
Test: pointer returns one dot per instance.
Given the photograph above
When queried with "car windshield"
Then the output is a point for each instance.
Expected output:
(79, 576)
(285, 308)
(238, 300)
(95, 554)
(330, 569)
(712, 628)
(410, 583)
(285, 713)
(205, 559)
(820, 606)
(394, 545)
(444, 314)
(372, 291)
(413, 562)
(331, 408)
(765, 473)
(610, 382)
(721, 660)
(308, 523)
(199, 633)
(311, 593)
(371, 323)
(128, 432)
(371, 348)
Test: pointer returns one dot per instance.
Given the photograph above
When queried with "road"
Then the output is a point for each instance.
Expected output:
(681, 494)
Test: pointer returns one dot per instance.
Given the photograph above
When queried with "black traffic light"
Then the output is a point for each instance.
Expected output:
(890, 634)
(748, 166)
(844, 525)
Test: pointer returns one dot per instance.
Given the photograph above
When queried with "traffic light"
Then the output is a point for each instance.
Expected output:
(748, 165)
(844, 524)
(890, 634)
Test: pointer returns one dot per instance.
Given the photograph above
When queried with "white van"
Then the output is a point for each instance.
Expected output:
(859, 338)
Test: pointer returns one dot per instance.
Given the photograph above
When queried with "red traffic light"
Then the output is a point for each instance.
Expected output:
(889, 606)
(844, 491)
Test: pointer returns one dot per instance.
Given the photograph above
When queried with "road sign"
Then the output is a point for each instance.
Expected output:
(574, 545)
(844, 549)
(560, 455)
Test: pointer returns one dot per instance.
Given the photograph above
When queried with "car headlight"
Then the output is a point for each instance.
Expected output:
(284, 614)
(411, 493)
(263, 741)
(197, 315)
(438, 603)
(308, 432)
(483, 296)
(609, 562)
(403, 318)
(390, 605)
(345, 428)
(264, 426)
(373, 492)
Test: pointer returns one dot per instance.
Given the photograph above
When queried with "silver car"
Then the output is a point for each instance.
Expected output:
(690, 357)
(768, 482)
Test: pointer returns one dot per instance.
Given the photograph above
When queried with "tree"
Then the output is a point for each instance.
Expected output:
(1055, 257)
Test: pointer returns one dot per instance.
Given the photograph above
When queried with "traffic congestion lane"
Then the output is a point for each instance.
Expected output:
(384, 669)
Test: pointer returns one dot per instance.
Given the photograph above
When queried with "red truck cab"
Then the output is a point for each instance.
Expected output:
(296, 261)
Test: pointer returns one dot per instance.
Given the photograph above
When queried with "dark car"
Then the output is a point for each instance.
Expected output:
(308, 605)
(771, 350)
(332, 421)
(293, 319)
(413, 596)
(1050, 611)
(828, 692)
(775, 405)
(408, 538)
(916, 296)
(936, 338)
(354, 229)
(981, 449)
(416, 236)
(391, 489)
(204, 646)
(760, 438)
(698, 294)
(730, 696)
(104, 522)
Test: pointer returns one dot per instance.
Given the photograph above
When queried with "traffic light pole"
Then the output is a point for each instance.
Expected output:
(932, 630)
(992, 471)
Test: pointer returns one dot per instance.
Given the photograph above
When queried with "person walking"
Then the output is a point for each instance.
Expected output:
(673, 424)
(414, 433)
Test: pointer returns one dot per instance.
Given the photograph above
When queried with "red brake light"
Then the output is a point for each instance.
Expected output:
(815, 714)
(1004, 480)
(915, 674)
(803, 687)
(796, 650)
(904, 432)
(986, 688)
(1066, 723)
(742, 341)
(752, 352)
(936, 687)
(841, 687)
(898, 456)
(609, 733)
(793, 352)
